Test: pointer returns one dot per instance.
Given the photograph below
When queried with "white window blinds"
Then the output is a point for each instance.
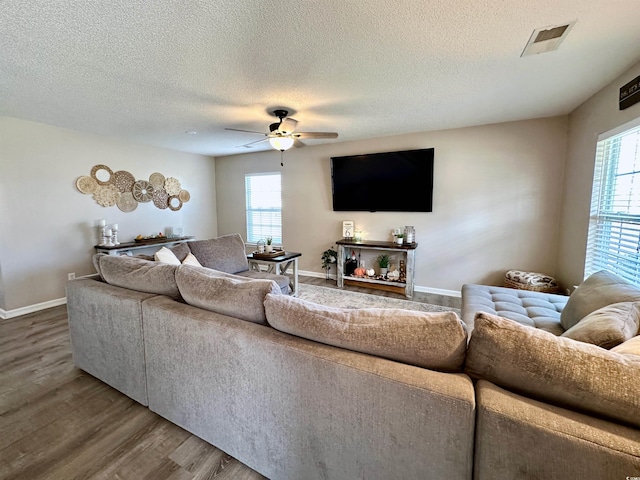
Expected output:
(614, 226)
(264, 207)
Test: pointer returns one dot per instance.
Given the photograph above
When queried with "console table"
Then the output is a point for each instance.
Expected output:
(127, 247)
(278, 265)
(407, 251)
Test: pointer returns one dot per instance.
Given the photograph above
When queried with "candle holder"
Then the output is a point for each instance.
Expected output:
(102, 233)
(114, 234)
(107, 238)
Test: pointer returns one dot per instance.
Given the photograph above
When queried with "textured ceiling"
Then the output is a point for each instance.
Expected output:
(149, 71)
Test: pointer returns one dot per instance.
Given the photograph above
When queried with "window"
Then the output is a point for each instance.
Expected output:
(264, 207)
(614, 226)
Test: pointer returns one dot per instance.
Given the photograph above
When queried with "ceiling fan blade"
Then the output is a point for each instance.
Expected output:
(298, 143)
(251, 144)
(287, 126)
(315, 135)
(246, 131)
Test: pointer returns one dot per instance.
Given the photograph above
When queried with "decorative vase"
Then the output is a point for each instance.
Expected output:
(399, 240)
(268, 248)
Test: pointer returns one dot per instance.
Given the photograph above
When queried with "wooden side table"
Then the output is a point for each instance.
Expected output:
(278, 266)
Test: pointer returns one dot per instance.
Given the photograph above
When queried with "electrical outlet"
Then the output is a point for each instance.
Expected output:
(71, 276)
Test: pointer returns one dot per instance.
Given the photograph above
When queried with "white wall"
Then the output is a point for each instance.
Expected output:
(497, 194)
(597, 115)
(46, 224)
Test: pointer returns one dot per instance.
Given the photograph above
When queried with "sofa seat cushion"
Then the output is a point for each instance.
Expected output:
(282, 280)
(138, 274)
(223, 293)
(535, 309)
(554, 369)
(431, 340)
(599, 290)
(226, 253)
(608, 326)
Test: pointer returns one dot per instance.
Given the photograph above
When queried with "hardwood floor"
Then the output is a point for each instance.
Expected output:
(58, 422)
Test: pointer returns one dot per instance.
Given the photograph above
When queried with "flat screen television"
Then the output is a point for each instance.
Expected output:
(383, 182)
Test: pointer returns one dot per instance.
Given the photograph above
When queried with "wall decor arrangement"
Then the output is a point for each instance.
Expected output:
(120, 188)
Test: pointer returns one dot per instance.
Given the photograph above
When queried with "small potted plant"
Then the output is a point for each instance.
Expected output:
(399, 238)
(383, 263)
(268, 247)
(329, 257)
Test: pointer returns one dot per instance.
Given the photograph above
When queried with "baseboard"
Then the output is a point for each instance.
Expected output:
(435, 291)
(7, 314)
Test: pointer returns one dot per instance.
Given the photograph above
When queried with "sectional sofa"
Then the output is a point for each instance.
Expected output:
(296, 390)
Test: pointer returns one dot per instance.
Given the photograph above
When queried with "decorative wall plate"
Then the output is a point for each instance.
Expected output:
(175, 203)
(123, 180)
(157, 180)
(106, 195)
(86, 184)
(184, 196)
(102, 174)
(126, 202)
(172, 186)
(160, 198)
(142, 191)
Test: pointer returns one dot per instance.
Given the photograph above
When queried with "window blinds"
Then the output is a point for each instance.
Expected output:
(614, 225)
(264, 207)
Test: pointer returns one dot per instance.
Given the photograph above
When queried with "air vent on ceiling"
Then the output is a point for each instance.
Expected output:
(546, 39)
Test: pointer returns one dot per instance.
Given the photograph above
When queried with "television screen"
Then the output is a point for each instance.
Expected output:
(383, 182)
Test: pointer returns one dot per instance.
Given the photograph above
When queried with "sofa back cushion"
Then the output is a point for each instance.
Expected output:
(554, 369)
(599, 290)
(181, 250)
(608, 326)
(226, 253)
(224, 293)
(431, 340)
(138, 274)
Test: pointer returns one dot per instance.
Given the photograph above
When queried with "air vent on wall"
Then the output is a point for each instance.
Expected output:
(546, 39)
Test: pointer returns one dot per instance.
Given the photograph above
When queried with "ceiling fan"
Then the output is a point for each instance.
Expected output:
(282, 134)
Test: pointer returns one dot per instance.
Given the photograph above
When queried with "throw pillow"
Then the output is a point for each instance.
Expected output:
(226, 253)
(608, 326)
(554, 369)
(225, 293)
(630, 347)
(599, 290)
(181, 250)
(190, 259)
(164, 255)
(138, 274)
(431, 340)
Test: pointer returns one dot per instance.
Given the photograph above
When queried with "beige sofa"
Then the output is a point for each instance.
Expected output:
(287, 406)
(301, 391)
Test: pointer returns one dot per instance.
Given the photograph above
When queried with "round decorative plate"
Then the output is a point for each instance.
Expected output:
(174, 203)
(100, 172)
(106, 195)
(126, 202)
(184, 196)
(172, 186)
(142, 191)
(123, 180)
(86, 184)
(157, 180)
(160, 198)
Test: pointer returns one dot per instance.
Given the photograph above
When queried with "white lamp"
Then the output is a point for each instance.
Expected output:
(281, 143)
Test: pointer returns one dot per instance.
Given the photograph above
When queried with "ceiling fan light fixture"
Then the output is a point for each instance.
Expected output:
(281, 143)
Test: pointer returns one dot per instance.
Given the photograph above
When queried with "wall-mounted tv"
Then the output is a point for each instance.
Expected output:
(383, 182)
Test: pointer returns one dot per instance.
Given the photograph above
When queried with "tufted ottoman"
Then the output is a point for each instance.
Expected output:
(536, 309)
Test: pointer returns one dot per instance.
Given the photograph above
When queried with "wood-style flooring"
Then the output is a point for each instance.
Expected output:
(58, 422)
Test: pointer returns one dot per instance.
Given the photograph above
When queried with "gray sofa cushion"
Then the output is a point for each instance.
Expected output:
(181, 250)
(281, 280)
(555, 369)
(608, 326)
(536, 309)
(430, 340)
(222, 293)
(138, 274)
(226, 253)
(630, 347)
(599, 290)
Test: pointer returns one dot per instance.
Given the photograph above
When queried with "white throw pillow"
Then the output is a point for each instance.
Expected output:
(191, 259)
(164, 255)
